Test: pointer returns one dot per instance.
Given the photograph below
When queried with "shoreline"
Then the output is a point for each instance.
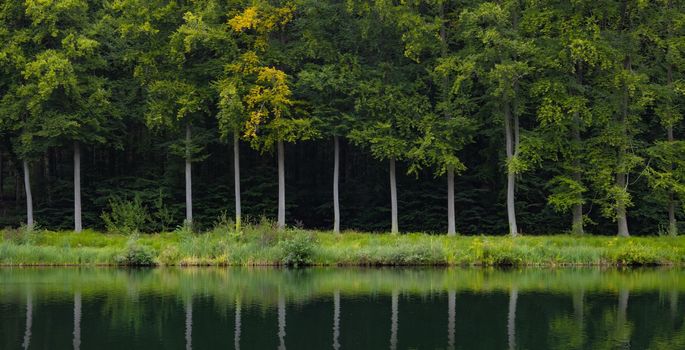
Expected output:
(263, 246)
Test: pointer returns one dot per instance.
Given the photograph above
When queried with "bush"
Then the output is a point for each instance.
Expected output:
(136, 255)
(126, 217)
(298, 250)
(170, 256)
(21, 236)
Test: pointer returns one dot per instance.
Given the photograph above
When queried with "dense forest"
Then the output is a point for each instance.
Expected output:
(518, 116)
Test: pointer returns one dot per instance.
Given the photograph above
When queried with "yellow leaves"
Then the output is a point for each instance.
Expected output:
(270, 97)
(247, 64)
(263, 20)
(245, 20)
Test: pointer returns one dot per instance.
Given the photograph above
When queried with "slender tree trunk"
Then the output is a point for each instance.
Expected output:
(281, 185)
(451, 226)
(621, 177)
(451, 229)
(281, 321)
(394, 322)
(577, 223)
(78, 226)
(189, 180)
(672, 223)
(511, 176)
(511, 318)
(451, 318)
(29, 322)
(77, 321)
(29, 198)
(336, 175)
(189, 323)
(236, 178)
(238, 324)
(621, 217)
(393, 198)
(336, 320)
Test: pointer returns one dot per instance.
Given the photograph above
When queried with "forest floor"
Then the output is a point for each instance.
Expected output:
(264, 246)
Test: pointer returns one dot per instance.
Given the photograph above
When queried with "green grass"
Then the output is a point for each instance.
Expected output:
(262, 245)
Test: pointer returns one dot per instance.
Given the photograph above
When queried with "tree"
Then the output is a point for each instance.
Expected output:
(430, 42)
(205, 40)
(568, 57)
(622, 98)
(263, 89)
(664, 35)
(492, 40)
(178, 97)
(327, 78)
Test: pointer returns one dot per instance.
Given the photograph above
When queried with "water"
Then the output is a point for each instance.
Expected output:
(341, 309)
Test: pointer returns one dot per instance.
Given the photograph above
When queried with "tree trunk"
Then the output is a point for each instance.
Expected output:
(189, 323)
(451, 227)
(577, 223)
(236, 178)
(621, 177)
(393, 198)
(336, 175)
(29, 321)
(451, 318)
(511, 176)
(189, 180)
(77, 321)
(336, 320)
(511, 318)
(29, 198)
(78, 226)
(281, 185)
(672, 223)
(394, 321)
(621, 218)
(238, 324)
(281, 321)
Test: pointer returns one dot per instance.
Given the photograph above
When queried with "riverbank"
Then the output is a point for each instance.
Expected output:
(264, 246)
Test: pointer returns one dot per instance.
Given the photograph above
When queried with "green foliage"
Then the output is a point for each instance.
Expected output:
(590, 95)
(126, 216)
(136, 255)
(298, 250)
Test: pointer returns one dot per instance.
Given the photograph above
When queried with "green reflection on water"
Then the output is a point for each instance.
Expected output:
(342, 308)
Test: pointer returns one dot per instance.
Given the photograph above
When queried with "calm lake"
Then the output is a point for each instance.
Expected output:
(212, 308)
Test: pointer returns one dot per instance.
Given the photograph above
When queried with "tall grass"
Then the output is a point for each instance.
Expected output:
(262, 244)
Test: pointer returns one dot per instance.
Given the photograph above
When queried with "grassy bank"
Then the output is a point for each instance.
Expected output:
(263, 245)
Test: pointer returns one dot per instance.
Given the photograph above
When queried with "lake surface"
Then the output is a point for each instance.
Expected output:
(212, 308)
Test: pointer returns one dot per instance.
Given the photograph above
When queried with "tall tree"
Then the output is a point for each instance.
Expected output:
(567, 59)
(492, 39)
(207, 46)
(622, 98)
(663, 37)
(432, 43)
(327, 76)
(263, 87)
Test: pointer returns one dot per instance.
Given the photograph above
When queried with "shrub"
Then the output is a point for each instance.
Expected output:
(298, 250)
(127, 217)
(23, 235)
(170, 256)
(136, 255)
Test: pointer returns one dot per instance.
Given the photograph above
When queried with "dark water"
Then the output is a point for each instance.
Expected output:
(341, 309)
